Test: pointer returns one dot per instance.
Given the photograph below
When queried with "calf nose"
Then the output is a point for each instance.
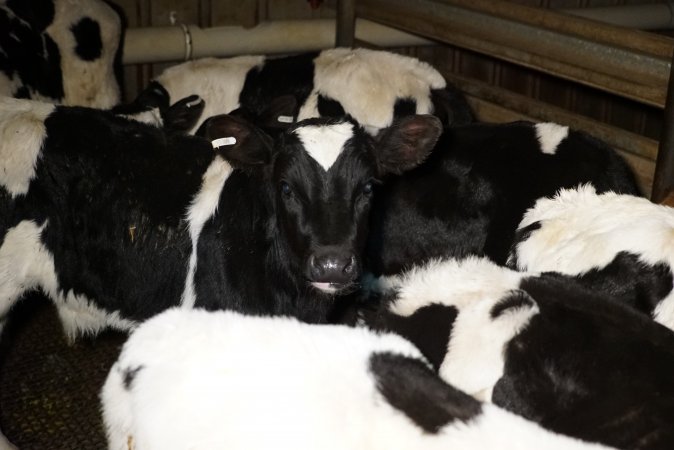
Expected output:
(332, 266)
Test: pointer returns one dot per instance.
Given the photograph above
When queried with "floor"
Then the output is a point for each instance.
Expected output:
(48, 388)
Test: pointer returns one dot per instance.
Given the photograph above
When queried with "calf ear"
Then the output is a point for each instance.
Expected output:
(184, 114)
(280, 113)
(153, 96)
(237, 140)
(451, 107)
(406, 143)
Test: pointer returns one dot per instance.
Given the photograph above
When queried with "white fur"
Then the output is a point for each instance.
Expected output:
(474, 359)
(22, 133)
(324, 143)
(202, 208)
(368, 82)
(8, 86)
(26, 264)
(5, 444)
(218, 81)
(223, 380)
(150, 117)
(550, 135)
(87, 83)
(581, 230)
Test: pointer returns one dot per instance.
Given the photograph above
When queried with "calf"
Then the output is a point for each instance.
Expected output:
(619, 244)
(199, 380)
(473, 190)
(542, 346)
(373, 87)
(60, 51)
(115, 220)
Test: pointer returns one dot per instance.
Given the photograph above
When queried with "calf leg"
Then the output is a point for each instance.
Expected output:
(25, 264)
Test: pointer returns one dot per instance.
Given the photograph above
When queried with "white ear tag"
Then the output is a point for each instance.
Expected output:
(223, 141)
(285, 119)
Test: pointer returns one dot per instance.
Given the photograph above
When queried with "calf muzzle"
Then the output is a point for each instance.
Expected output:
(331, 269)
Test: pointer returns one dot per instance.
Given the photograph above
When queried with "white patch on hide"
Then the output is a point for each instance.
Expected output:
(474, 359)
(26, 264)
(150, 117)
(581, 230)
(324, 143)
(218, 81)
(87, 83)
(367, 84)
(550, 135)
(203, 206)
(22, 133)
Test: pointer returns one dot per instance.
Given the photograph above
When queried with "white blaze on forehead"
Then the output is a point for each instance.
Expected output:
(550, 135)
(325, 143)
(22, 132)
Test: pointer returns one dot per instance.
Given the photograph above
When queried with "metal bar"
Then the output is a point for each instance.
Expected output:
(346, 23)
(164, 44)
(620, 139)
(653, 16)
(624, 62)
(663, 181)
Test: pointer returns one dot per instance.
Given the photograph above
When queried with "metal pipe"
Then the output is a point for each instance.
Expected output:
(654, 16)
(629, 63)
(165, 44)
(346, 23)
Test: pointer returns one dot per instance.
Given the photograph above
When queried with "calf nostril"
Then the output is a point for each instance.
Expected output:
(350, 266)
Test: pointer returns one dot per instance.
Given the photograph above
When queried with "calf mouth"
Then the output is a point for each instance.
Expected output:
(335, 288)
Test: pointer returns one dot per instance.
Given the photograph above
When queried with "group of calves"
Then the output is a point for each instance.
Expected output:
(339, 258)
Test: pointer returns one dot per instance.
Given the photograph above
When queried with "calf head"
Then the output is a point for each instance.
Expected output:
(324, 174)
(321, 180)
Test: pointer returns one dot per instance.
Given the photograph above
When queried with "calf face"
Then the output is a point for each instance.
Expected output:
(322, 179)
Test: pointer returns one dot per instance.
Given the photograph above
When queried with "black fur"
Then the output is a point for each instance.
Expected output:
(515, 300)
(629, 280)
(521, 235)
(87, 35)
(411, 387)
(278, 77)
(591, 368)
(428, 327)
(130, 375)
(471, 193)
(404, 107)
(328, 107)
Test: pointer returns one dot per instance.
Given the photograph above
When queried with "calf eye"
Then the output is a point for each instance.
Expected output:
(285, 188)
(367, 189)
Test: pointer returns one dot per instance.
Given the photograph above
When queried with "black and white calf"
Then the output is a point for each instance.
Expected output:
(60, 51)
(199, 380)
(542, 346)
(620, 244)
(116, 221)
(472, 192)
(373, 87)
